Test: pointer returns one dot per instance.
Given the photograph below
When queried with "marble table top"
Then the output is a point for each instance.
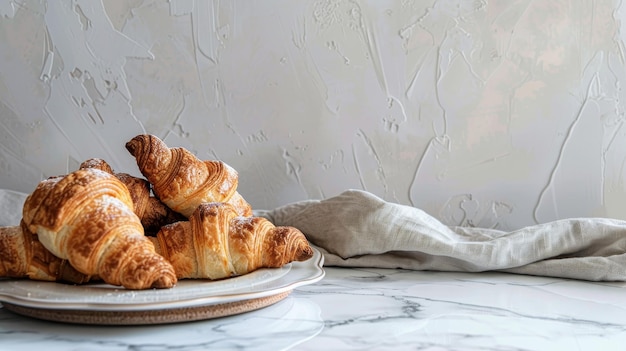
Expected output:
(375, 309)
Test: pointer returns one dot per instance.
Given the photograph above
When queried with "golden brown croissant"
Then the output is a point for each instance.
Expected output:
(153, 213)
(181, 180)
(23, 256)
(87, 218)
(217, 243)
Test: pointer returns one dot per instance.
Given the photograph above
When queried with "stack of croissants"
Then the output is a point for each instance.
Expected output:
(185, 220)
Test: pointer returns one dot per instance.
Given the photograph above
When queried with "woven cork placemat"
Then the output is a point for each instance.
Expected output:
(176, 315)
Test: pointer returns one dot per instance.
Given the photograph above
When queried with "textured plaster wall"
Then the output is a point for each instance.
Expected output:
(492, 113)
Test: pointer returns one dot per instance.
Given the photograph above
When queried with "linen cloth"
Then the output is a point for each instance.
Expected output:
(359, 229)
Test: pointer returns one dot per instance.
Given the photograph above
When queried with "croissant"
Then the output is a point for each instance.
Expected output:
(218, 243)
(23, 256)
(153, 213)
(87, 218)
(181, 180)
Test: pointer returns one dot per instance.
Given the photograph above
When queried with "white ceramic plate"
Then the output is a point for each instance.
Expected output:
(186, 294)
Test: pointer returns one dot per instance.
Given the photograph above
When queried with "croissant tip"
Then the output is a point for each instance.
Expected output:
(96, 163)
(304, 252)
(165, 282)
(131, 146)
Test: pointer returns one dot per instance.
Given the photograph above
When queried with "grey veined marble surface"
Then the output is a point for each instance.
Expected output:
(376, 309)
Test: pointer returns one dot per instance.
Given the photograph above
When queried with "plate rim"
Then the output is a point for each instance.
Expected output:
(294, 278)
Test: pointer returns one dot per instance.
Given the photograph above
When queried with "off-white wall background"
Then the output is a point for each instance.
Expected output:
(499, 113)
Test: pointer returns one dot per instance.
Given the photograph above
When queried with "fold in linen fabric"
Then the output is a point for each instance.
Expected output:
(358, 229)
